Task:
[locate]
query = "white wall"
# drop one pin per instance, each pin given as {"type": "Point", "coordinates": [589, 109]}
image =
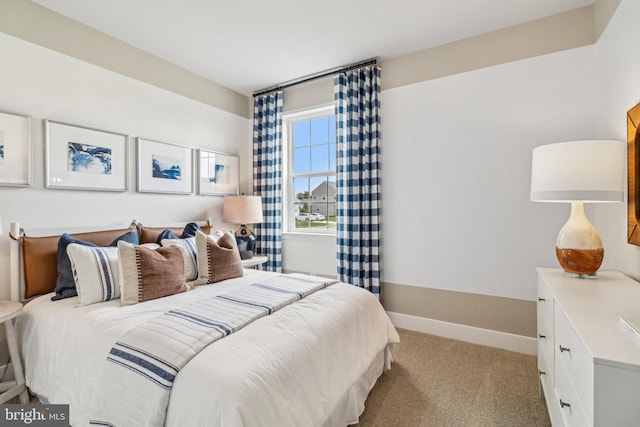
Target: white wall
{"type": "Point", "coordinates": [456, 158]}
{"type": "Point", "coordinates": [456, 170]}
{"type": "Point", "coordinates": [45, 84]}
{"type": "Point", "coordinates": [618, 90]}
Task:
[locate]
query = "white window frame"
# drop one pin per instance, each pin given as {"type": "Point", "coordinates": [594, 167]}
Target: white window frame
{"type": "Point", "coordinates": [288, 120]}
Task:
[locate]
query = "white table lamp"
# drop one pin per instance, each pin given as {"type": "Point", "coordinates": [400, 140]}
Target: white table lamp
{"type": "Point", "coordinates": [243, 210]}
{"type": "Point", "coordinates": [577, 172]}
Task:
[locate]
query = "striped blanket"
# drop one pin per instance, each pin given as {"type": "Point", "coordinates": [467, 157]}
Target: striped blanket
{"type": "Point", "coordinates": [138, 375]}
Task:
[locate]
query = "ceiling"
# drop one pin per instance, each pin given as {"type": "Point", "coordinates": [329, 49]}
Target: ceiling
{"type": "Point", "coordinates": [252, 44]}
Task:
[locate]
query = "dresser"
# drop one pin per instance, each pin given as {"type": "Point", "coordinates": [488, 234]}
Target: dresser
{"type": "Point", "coordinates": [589, 363]}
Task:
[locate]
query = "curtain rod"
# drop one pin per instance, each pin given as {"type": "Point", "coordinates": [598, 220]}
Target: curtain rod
{"type": "Point", "coordinates": [316, 76]}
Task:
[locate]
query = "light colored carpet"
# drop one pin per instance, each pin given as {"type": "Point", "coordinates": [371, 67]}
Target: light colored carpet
{"type": "Point", "coordinates": [437, 381]}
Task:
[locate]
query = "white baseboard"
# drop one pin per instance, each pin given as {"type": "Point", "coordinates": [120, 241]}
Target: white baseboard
{"type": "Point", "coordinates": [503, 340]}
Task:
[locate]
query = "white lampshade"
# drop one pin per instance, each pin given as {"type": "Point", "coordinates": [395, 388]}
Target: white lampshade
{"type": "Point", "coordinates": [589, 171]}
{"type": "Point", "coordinates": [578, 172]}
{"type": "Point", "coordinates": [242, 209]}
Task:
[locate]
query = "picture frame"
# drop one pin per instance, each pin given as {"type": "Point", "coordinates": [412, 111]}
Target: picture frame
{"type": "Point", "coordinates": [83, 158]}
{"type": "Point", "coordinates": [633, 175]}
{"type": "Point", "coordinates": [15, 150]}
{"type": "Point", "coordinates": [218, 173]}
{"type": "Point", "coordinates": [164, 167]}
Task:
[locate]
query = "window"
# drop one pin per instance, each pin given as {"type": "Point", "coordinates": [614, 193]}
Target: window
{"type": "Point", "coordinates": [310, 138]}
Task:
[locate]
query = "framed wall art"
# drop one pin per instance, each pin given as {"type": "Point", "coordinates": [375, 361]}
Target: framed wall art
{"type": "Point", "coordinates": [80, 158]}
{"type": "Point", "coordinates": [164, 168]}
{"type": "Point", "coordinates": [15, 150]}
{"type": "Point", "coordinates": [218, 174]}
{"type": "Point", "coordinates": [633, 175]}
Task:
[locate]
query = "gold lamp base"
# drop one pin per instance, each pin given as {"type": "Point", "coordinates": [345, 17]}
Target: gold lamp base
{"type": "Point", "coordinates": [579, 246]}
{"type": "Point", "coordinates": [581, 263]}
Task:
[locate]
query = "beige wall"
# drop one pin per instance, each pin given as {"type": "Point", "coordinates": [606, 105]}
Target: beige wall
{"type": "Point", "coordinates": [513, 316]}
{"type": "Point", "coordinates": [603, 12]}
{"type": "Point", "coordinates": [36, 24]}
{"type": "Point", "coordinates": [540, 37]}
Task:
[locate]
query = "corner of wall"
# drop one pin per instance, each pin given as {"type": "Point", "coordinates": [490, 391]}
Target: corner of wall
{"type": "Point", "coordinates": [602, 14]}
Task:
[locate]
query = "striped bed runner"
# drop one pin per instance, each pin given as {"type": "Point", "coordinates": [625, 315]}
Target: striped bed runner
{"type": "Point", "coordinates": [136, 382]}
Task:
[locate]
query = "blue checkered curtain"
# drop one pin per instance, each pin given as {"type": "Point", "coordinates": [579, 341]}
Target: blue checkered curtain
{"type": "Point", "coordinates": [358, 176]}
{"type": "Point", "coordinates": [267, 176]}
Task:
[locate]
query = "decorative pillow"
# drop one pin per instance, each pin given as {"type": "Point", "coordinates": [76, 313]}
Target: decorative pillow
{"type": "Point", "coordinates": [189, 231]}
{"type": "Point", "coordinates": [218, 257]}
{"type": "Point", "coordinates": [95, 272]}
{"type": "Point", "coordinates": [188, 248]}
{"type": "Point", "coordinates": [147, 274]}
{"type": "Point", "coordinates": [66, 286]}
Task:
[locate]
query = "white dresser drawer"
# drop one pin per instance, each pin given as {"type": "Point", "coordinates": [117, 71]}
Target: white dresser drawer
{"type": "Point", "coordinates": [545, 304]}
{"type": "Point", "coordinates": [545, 371]}
{"type": "Point", "coordinates": [545, 344]}
{"type": "Point", "coordinates": [545, 327]}
{"type": "Point", "coordinates": [545, 368]}
{"type": "Point", "coordinates": [572, 412]}
{"type": "Point", "coordinates": [572, 355]}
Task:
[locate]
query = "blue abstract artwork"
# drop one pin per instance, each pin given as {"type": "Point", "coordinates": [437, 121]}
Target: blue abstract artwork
{"type": "Point", "coordinates": [88, 158]}
{"type": "Point", "coordinates": [166, 167]}
{"type": "Point", "coordinates": [217, 174]}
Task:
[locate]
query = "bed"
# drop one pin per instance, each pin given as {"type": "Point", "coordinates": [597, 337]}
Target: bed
{"type": "Point", "coordinates": [310, 363]}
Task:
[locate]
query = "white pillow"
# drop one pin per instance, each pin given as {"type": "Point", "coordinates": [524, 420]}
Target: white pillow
{"type": "Point", "coordinates": [96, 272]}
{"type": "Point", "coordinates": [189, 254]}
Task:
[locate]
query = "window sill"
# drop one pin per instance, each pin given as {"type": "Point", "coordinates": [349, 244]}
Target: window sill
{"type": "Point", "coordinates": [299, 235]}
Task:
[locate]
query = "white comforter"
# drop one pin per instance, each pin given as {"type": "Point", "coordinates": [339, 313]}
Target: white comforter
{"type": "Point", "coordinates": [301, 366]}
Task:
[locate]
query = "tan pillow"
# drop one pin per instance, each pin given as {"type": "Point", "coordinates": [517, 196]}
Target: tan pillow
{"type": "Point", "coordinates": [218, 257]}
{"type": "Point", "coordinates": [188, 248]}
{"type": "Point", "coordinates": [147, 274]}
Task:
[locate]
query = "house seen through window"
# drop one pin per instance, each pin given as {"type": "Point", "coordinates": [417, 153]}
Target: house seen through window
{"type": "Point", "coordinates": [311, 195]}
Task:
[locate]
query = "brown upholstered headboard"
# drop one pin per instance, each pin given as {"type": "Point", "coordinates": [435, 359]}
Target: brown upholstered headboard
{"type": "Point", "coordinates": [40, 265]}
{"type": "Point", "coordinates": [39, 269]}
{"type": "Point", "coordinates": [150, 234]}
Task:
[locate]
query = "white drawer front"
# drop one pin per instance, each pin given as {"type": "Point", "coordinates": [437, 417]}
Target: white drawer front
{"type": "Point", "coordinates": [545, 366]}
{"type": "Point", "coordinates": [545, 343]}
{"type": "Point", "coordinates": [545, 304]}
{"type": "Point", "coordinates": [545, 326]}
{"type": "Point", "coordinates": [545, 371]}
{"type": "Point", "coordinates": [572, 412]}
{"type": "Point", "coordinates": [572, 355]}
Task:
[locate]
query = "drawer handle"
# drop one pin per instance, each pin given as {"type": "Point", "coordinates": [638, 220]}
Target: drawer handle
{"type": "Point", "coordinates": [564, 404]}
{"type": "Point", "coordinates": [541, 299]}
{"type": "Point", "coordinates": [541, 372]}
{"type": "Point", "coordinates": [563, 349]}
{"type": "Point", "coordinates": [541, 336]}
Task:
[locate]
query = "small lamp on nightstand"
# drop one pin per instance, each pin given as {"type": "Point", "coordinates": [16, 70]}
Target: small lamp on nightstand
{"type": "Point", "coordinates": [243, 210]}
{"type": "Point", "coordinates": [579, 172]}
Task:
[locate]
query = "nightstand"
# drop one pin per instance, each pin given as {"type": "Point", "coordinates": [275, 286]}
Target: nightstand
{"type": "Point", "coordinates": [8, 311]}
{"type": "Point", "coordinates": [254, 262]}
